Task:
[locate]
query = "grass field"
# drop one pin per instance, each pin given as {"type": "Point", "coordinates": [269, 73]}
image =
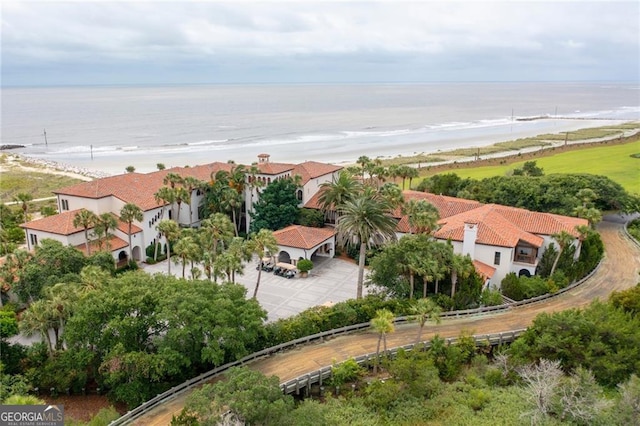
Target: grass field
{"type": "Point", "coordinates": [615, 161]}
{"type": "Point", "coordinates": [39, 185]}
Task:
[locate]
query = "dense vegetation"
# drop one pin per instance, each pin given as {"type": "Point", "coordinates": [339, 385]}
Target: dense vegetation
{"type": "Point", "coordinates": [134, 335]}
{"type": "Point", "coordinates": [574, 367]}
{"type": "Point", "coordinates": [556, 193]}
{"type": "Point", "coordinates": [634, 229]}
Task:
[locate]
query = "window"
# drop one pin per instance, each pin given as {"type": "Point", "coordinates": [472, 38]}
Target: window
{"type": "Point", "coordinates": [299, 194]}
{"type": "Point", "coordinates": [34, 239]}
{"type": "Point", "coordinates": [496, 258]}
{"type": "Point", "coordinates": [65, 204]}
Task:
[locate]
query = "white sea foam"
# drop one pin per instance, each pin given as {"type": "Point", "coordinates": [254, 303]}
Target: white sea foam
{"type": "Point", "coordinates": [339, 122]}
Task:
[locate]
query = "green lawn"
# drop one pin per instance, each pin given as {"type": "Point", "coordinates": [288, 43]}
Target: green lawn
{"type": "Point", "coordinates": [612, 161]}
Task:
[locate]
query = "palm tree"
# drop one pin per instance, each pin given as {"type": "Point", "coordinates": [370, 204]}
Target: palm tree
{"type": "Point", "coordinates": [128, 214]}
{"type": "Point", "coordinates": [392, 194]}
{"type": "Point", "coordinates": [231, 201]}
{"type": "Point", "coordinates": [238, 178]}
{"type": "Point", "coordinates": [365, 221]}
{"type": "Point", "coordinates": [260, 244]}
{"type": "Point", "coordinates": [165, 196]}
{"type": "Point", "coordinates": [37, 319]}
{"type": "Point", "coordinates": [23, 199]}
{"type": "Point", "coordinates": [172, 179]}
{"type": "Point", "coordinates": [85, 219]}
{"type": "Point", "coordinates": [586, 209]}
{"type": "Point", "coordinates": [564, 240]}
{"type": "Point", "coordinates": [335, 194]}
{"type": "Point", "coordinates": [215, 229]}
{"type": "Point", "coordinates": [60, 300]}
{"type": "Point", "coordinates": [191, 184]}
{"type": "Point", "coordinates": [382, 323]}
{"type": "Point", "coordinates": [182, 196]}
{"type": "Point", "coordinates": [186, 249]}
{"type": "Point", "coordinates": [104, 223]}
{"type": "Point", "coordinates": [424, 310]}
{"type": "Point", "coordinates": [461, 267]}
{"type": "Point", "coordinates": [363, 161]}
{"type": "Point", "coordinates": [422, 216]}
{"type": "Point", "coordinates": [92, 278]}
{"type": "Point", "coordinates": [170, 231]}
{"type": "Point", "coordinates": [412, 173]}
{"type": "Point", "coordinates": [393, 172]}
{"type": "Point", "coordinates": [231, 260]}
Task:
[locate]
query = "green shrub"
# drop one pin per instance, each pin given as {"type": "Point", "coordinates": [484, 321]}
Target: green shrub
{"type": "Point", "coordinates": [304, 265]}
{"type": "Point", "coordinates": [345, 372]}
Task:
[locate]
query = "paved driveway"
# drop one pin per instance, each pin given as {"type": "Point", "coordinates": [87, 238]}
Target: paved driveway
{"type": "Point", "coordinates": [330, 281]}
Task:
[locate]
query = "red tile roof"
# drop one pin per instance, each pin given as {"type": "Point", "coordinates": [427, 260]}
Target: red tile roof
{"type": "Point", "coordinates": [274, 168]}
{"type": "Point", "coordinates": [303, 237]}
{"type": "Point", "coordinates": [541, 223]}
{"type": "Point", "coordinates": [115, 243]}
{"type": "Point", "coordinates": [137, 188]}
{"type": "Point", "coordinates": [61, 224]}
{"type": "Point", "coordinates": [483, 269]}
{"type": "Point", "coordinates": [314, 201]}
{"type": "Point", "coordinates": [493, 228]}
{"type": "Point", "coordinates": [446, 206]}
{"type": "Point", "coordinates": [312, 169]}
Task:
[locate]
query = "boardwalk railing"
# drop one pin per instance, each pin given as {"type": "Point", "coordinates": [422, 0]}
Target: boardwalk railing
{"type": "Point", "coordinates": [209, 375]}
{"type": "Point", "coordinates": [305, 381]}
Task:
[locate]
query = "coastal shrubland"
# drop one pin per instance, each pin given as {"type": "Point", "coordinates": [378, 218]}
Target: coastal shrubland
{"type": "Point", "coordinates": [572, 367]}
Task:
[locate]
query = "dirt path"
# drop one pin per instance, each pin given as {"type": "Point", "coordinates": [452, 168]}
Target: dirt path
{"type": "Point", "coordinates": [618, 271]}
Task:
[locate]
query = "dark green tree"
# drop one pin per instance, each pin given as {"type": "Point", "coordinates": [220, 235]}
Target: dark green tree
{"type": "Point", "coordinates": [50, 264]}
{"type": "Point", "coordinates": [277, 206]}
{"type": "Point", "coordinates": [251, 397]}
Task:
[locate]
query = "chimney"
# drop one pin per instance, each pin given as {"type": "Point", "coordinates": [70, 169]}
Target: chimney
{"type": "Point", "coordinates": [469, 239]}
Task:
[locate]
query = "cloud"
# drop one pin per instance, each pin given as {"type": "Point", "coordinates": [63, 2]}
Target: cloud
{"type": "Point", "coordinates": [284, 37]}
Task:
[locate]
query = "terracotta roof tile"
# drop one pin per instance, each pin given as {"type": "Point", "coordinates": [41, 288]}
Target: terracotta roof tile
{"type": "Point", "coordinates": [493, 228]}
{"type": "Point", "coordinates": [541, 223]}
{"type": "Point", "coordinates": [137, 188]}
{"type": "Point", "coordinates": [303, 237]}
{"type": "Point", "coordinates": [483, 269]}
{"type": "Point", "coordinates": [447, 206]}
{"type": "Point", "coordinates": [115, 243]}
{"type": "Point", "coordinates": [314, 201]}
{"type": "Point", "coordinates": [312, 169]}
{"type": "Point", "coordinates": [274, 168]}
{"type": "Point", "coordinates": [61, 224]}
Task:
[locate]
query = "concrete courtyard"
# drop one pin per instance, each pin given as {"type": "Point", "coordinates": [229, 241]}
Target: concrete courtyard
{"type": "Point", "coordinates": [330, 281]}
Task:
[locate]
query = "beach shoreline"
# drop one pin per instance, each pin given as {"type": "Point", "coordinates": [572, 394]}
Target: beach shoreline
{"type": "Point", "coordinates": [14, 159]}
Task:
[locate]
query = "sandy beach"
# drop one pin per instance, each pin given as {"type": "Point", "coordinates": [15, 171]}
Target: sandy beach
{"type": "Point", "coordinates": [104, 168]}
{"type": "Point", "coordinates": [103, 164]}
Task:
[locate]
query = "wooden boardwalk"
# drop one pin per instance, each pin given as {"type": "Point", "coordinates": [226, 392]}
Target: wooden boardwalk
{"type": "Point", "coordinates": [619, 271]}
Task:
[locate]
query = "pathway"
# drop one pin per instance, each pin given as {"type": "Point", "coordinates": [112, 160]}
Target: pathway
{"type": "Point", "coordinates": [618, 271]}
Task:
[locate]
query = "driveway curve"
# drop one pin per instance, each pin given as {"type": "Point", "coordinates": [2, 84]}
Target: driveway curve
{"type": "Point", "coordinates": [618, 271]}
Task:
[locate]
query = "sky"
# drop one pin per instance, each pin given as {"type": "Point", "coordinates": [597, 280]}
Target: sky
{"type": "Point", "coordinates": [201, 42]}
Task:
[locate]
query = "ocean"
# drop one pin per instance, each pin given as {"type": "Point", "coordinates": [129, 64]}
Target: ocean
{"type": "Point", "coordinates": [108, 128]}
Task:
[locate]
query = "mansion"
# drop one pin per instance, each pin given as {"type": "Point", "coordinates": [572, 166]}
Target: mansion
{"type": "Point", "coordinates": [498, 239]}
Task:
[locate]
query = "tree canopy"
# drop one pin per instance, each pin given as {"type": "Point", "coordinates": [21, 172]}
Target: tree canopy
{"type": "Point", "coordinates": [277, 206]}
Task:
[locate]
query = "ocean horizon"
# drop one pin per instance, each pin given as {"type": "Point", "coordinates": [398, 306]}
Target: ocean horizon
{"type": "Point", "coordinates": [108, 128]}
